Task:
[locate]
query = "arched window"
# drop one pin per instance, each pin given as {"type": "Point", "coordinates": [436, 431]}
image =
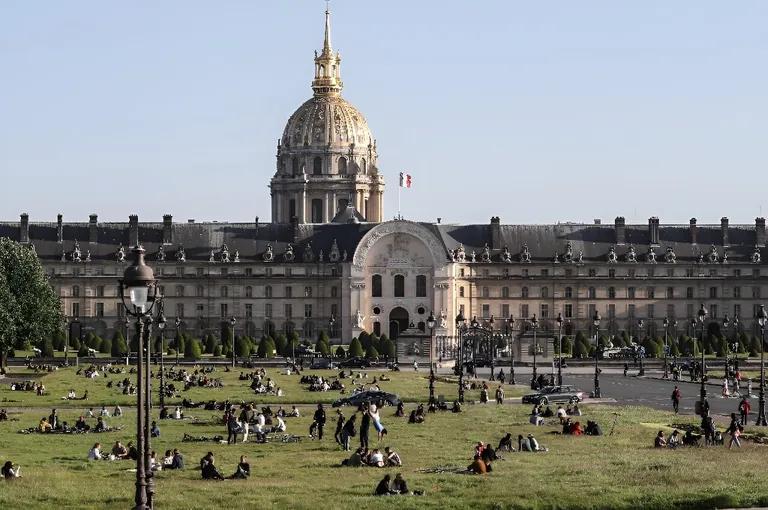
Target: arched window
{"type": "Point", "coordinates": [75, 291]}
{"type": "Point", "coordinates": [421, 286]}
{"type": "Point", "coordinates": [200, 291]}
{"type": "Point", "coordinates": [179, 290]}
{"type": "Point", "coordinates": [569, 292]}
{"type": "Point", "coordinates": [322, 71]}
{"type": "Point", "coordinates": [342, 166]}
{"type": "Point", "coordinates": [505, 292]}
{"type": "Point", "coordinates": [295, 165]}
{"type": "Point", "coordinates": [269, 328]}
{"type": "Point", "coordinates": [249, 291]}
{"type": "Point", "coordinates": [268, 291]}
{"type": "Point", "coordinates": [545, 292]}
{"type": "Point", "coordinates": [224, 291]}
{"type": "Point", "coordinates": [317, 166]}
{"type": "Point", "coordinates": [363, 166]}
{"type": "Point", "coordinates": [524, 292]}
{"type": "Point", "coordinates": [399, 285]}
{"type": "Point", "coordinates": [375, 285]}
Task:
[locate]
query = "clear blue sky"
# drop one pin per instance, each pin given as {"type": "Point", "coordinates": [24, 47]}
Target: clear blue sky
{"type": "Point", "coordinates": [534, 111]}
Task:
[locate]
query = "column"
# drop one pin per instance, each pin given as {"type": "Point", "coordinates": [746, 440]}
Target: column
{"type": "Point", "coordinates": [303, 207]}
{"type": "Point", "coordinates": [279, 208]}
{"type": "Point", "coordinates": [328, 209]}
{"type": "Point", "coordinates": [334, 205]}
{"type": "Point", "coordinates": [381, 206]}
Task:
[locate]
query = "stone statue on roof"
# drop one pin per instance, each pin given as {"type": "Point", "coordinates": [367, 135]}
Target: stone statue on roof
{"type": "Point", "coordinates": [121, 254]}
{"type": "Point", "coordinates": [268, 255]}
{"type": "Point", "coordinates": [506, 256]}
{"type": "Point", "coordinates": [289, 255]}
{"type": "Point", "coordinates": [180, 255]}
{"type": "Point", "coordinates": [76, 254]}
{"type": "Point", "coordinates": [161, 254]}
{"type": "Point", "coordinates": [525, 256]}
{"type": "Point", "coordinates": [485, 255]}
{"type": "Point", "coordinates": [309, 255]}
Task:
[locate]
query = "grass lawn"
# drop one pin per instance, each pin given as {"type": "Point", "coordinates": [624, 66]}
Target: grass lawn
{"type": "Point", "coordinates": [618, 471]}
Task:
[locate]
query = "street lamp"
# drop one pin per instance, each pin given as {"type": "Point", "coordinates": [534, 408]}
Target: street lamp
{"type": "Point", "coordinates": [127, 323]}
{"type": "Point", "coordinates": [761, 320]}
{"type": "Point", "coordinates": [232, 322]}
{"type": "Point", "coordinates": [511, 323]}
{"type": "Point", "coordinates": [491, 346]}
{"type": "Point", "coordinates": [596, 322]}
{"type": "Point", "coordinates": [461, 327]}
{"type": "Point", "coordinates": [331, 322]}
{"type": "Point", "coordinates": [666, 346]}
{"type": "Point", "coordinates": [702, 317]}
{"type": "Point", "coordinates": [534, 326]}
{"type": "Point", "coordinates": [178, 339]}
{"type": "Point", "coordinates": [138, 289]}
{"type": "Point", "coordinates": [640, 349]}
{"type": "Point", "coordinates": [431, 326]}
{"type": "Point", "coordinates": [726, 325]}
{"type": "Point", "coordinates": [161, 326]}
{"type": "Point", "coordinates": [560, 349]}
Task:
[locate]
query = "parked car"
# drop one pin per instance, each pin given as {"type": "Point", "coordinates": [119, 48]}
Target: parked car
{"type": "Point", "coordinates": [555, 394]}
{"type": "Point", "coordinates": [355, 363]}
{"type": "Point", "coordinates": [375, 397]}
{"type": "Point", "coordinates": [322, 364]}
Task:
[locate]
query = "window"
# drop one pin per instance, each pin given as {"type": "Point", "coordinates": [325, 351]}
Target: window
{"type": "Point", "coordinates": [268, 291]}
{"type": "Point", "coordinates": [248, 271]}
{"type": "Point", "coordinates": [200, 310]}
{"type": "Point", "coordinates": [75, 291]}
{"type": "Point", "coordinates": [671, 311]}
{"type": "Point", "coordinates": [650, 292]}
{"type": "Point", "coordinates": [486, 293]}
{"type": "Point", "coordinates": [612, 311]}
{"type": "Point", "coordinates": [224, 291]}
{"type": "Point", "coordinates": [268, 310]}
{"type": "Point", "coordinates": [288, 271]}
{"type": "Point", "coordinates": [200, 271]}
{"type": "Point", "coordinates": [755, 292]}
{"type": "Point", "coordinates": [100, 291]}
{"type": "Point", "coordinates": [307, 291]}
{"type": "Point", "coordinates": [288, 291]}
{"type": "Point", "coordinates": [224, 271]}
{"type": "Point", "coordinates": [713, 311]}
{"type": "Point", "coordinates": [335, 313]}
{"type": "Point", "coordinates": [611, 273]}
{"type": "Point", "coordinates": [593, 272]}
{"type": "Point", "coordinates": [248, 311]}
{"type": "Point", "coordinates": [224, 310]}
{"type": "Point", "coordinates": [611, 293]}
{"type": "Point", "coordinates": [180, 310]}
{"type": "Point", "coordinates": [525, 273]}
{"type": "Point", "coordinates": [545, 272]}
{"type": "Point", "coordinates": [737, 310]}
{"type": "Point", "coordinates": [544, 311]}
{"type": "Point", "coordinates": [334, 292]}
{"type": "Point", "coordinates": [317, 166]}
{"type": "Point", "coordinates": [591, 293]}
{"type": "Point", "coordinates": [568, 311]}
{"type": "Point", "coordinates": [486, 311]}
{"type": "Point", "coordinates": [631, 292]}
{"type": "Point", "coordinates": [670, 294]}
{"type": "Point", "coordinates": [399, 285]}
{"type": "Point", "coordinates": [545, 292]}
{"type": "Point", "coordinates": [713, 293]}
{"type": "Point", "coordinates": [568, 292]}
{"type": "Point", "coordinates": [317, 210]}
{"type": "Point", "coordinates": [737, 272]}
{"type": "Point", "coordinates": [364, 169]}
{"type": "Point", "coordinates": [461, 272]}
{"type": "Point", "coordinates": [524, 311]}
{"type": "Point", "coordinates": [689, 292]}
{"type": "Point", "coordinates": [756, 273]}
{"type": "Point", "coordinates": [268, 272]}
{"type": "Point", "coordinates": [288, 310]}
{"type": "Point", "coordinates": [421, 286]}
{"type": "Point", "coordinates": [651, 311]}
{"type": "Point", "coordinates": [75, 309]}
{"type": "Point", "coordinates": [295, 166]}
{"type": "Point", "coordinates": [505, 310]}
{"type": "Point", "coordinates": [505, 292]}
{"type": "Point", "coordinates": [524, 292]}
{"type": "Point", "coordinates": [631, 311]}
{"type": "Point", "coordinates": [180, 272]}
{"type": "Point", "coordinates": [200, 291]}
{"type": "Point", "coordinates": [248, 291]}
{"type": "Point", "coordinates": [99, 309]}
{"type": "Point", "coordinates": [591, 308]}
{"type": "Point", "coordinates": [376, 285]}
{"type": "Point", "coordinates": [689, 310]}
{"type": "Point", "coordinates": [342, 166]}
{"type": "Point", "coordinates": [461, 291]}
{"type": "Point", "coordinates": [737, 292]}
{"type": "Point", "coordinates": [179, 291]}
{"type": "Point", "coordinates": [307, 310]}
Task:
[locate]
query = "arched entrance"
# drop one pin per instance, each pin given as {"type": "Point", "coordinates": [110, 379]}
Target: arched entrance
{"type": "Point", "coordinates": [398, 322]}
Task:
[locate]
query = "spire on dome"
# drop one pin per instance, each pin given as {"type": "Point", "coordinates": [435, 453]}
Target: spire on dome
{"type": "Point", "coordinates": [327, 80]}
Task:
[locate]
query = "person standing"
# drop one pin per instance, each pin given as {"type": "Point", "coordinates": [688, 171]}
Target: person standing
{"type": "Point", "coordinates": [320, 420]}
{"type": "Point", "coordinates": [676, 396]}
{"type": "Point", "coordinates": [339, 426]}
{"type": "Point", "coordinates": [734, 429]}
{"type": "Point", "coordinates": [365, 425]}
{"type": "Point", "coordinates": [499, 395]}
{"type": "Point", "coordinates": [348, 431]}
{"type": "Point", "coordinates": [744, 409]}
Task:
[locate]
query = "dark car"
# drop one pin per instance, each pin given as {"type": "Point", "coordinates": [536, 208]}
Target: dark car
{"type": "Point", "coordinates": [355, 363]}
{"type": "Point", "coordinates": [554, 394]}
{"type": "Point", "coordinates": [322, 364]}
{"type": "Point", "coordinates": [375, 397]}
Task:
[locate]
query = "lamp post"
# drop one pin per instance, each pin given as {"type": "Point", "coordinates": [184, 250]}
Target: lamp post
{"type": "Point", "coordinates": [560, 349]}
{"type": "Point", "coordinates": [511, 323]}
{"type": "Point", "coordinates": [138, 290]}
{"type": "Point", "coordinates": [127, 323]}
{"type": "Point", "coordinates": [641, 349]}
{"type": "Point", "coordinates": [161, 326]}
{"type": "Point", "coordinates": [596, 322]}
{"type": "Point", "coordinates": [534, 326]}
{"type": "Point", "coordinates": [491, 346]}
{"type": "Point", "coordinates": [726, 325]}
{"type": "Point", "coordinates": [431, 326]}
{"type": "Point", "coordinates": [702, 317]}
{"type": "Point", "coordinates": [331, 322]}
{"type": "Point", "coordinates": [461, 327]}
{"type": "Point", "coordinates": [666, 346]}
{"type": "Point", "coordinates": [232, 322]}
{"type": "Point", "coordinates": [178, 339]}
{"type": "Point", "coordinates": [762, 318]}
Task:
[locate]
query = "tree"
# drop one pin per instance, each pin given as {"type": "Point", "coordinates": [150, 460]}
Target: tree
{"type": "Point", "coordinates": [106, 346]}
{"type": "Point", "coordinates": [29, 308]}
{"type": "Point", "coordinates": [243, 347]}
{"type": "Point", "coordinates": [371, 352]}
{"type": "Point", "coordinates": [180, 343]}
{"type": "Point", "coordinates": [195, 350]}
{"type": "Point", "coordinates": [281, 344]}
{"type": "Point", "coordinates": [580, 347]}
{"type": "Point", "coordinates": [365, 339]}
{"type": "Point", "coordinates": [119, 346]}
{"type": "Point", "coordinates": [322, 347]}
{"type": "Point", "coordinates": [210, 343]}
{"type": "Point", "coordinates": [83, 351]}
{"type": "Point", "coordinates": [217, 351]}
{"type": "Point", "coordinates": [754, 346]}
{"type": "Point", "coordinates": [567, 345]}
{"type": "Point", "coordinates": [340, 352]}
{"type": "Point", "coordinates": [47, 348]}
{"type": "Point", "coordinates": [376, 341]}
{"type": "Point", "coordinates": [59, 340]}
{"type": "Point", "coordinates": [387, 347]}
{"type": "Point", "coordinates": [293, 342]}
{"type": "Point", "coordinates": [355, 348]}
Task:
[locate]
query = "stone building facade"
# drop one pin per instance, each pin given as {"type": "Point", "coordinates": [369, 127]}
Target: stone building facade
{"type": "Point", "coordinates": [328, 254]}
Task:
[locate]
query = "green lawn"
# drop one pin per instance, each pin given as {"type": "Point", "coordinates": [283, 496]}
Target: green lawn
{"type": "Point", "coordinates": [618, 471]}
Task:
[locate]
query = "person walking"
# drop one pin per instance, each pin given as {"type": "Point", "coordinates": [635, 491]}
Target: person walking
{"type": "Point", "coordinates": [744, 408]}
{"type": "Point", "coordinates": [734, 429]}
{"type": "Point", "coordinates": [339, 426]}
{"type": "Point", "coordinates": [320, 420]}
{"type": "Point", "coordinates": [676, 396]}
{"type": "Point", "coordinates": [348, 431]}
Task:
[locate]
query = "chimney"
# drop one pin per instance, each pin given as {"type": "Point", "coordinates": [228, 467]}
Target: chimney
{"type": "Point", "coordinates": [694, 230]}
{"type": "Point", "coordinates": [24, 228]}
{"type": "Point", "coordinates": [653, 230]}
{"type": "Point", "coordinates": [133, 230]}
{"type": "Point", "coordinates": [724, 230]}
{"type": "Point", "coordinates": [620, 226]}
{"type": "Point", "coordinates": [760, 231]}
{"type": "Point", "coordinates": [439, 219]}
{"type": "Point", "coordinates": [93, 232]}
{"type": "Point", "coordinates": [257, 222]}
{"type": "Point", "coordinates": [598, 221]}
{"type": "Point", "coordinates": [59, 229]}
{"type": "Point", "coordinates": [167, 229]}
{"type": "Point", "coordinates": [495, 233]}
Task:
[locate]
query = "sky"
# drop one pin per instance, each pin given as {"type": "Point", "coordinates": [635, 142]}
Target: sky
{"type": "Point", "coordinates": [537, 112]}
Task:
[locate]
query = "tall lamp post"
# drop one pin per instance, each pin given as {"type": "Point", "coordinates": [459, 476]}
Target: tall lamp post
{"type": "Point", "coordinates": [511, 324]}
{"type": "Point", "coordinates": [461, 328]}
{"type": "Point", "coordinates": [534, 326]}
{"type": "Point", "coordinates": [127, 323]}
{"type": "Point", "coordinates": [232, 322]}
{"type": "Point", "coordinates": [762, 319]}
{"type": "Point", "coordinates": [161, 326]}
{"type": "Point", "coordinates": [560, 349]}
{"type": "Point", "coordinates": [726, 325]}
{"type": "Point", "coordinates": [491, 346]}
{"type": "Point", "coordinates": [702, 317]}
{"type": "Point", "coordinates": [666, 346]}
{"type": "Point", "coordinates": [431, 326]}
{"type": "Point", "coordinates": [641, 349]}
{"type": "Point", "coordinates": [178, 339]}
{"type": "Point", "coordinates": [596, 322]}
{"type": "Point", "coordinates": [331, 322]}
{"type": "Point", "coordinates": [138, 290]}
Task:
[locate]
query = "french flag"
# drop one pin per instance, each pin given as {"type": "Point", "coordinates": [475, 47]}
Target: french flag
{"type": "Point", "coordinates": [405, 180]}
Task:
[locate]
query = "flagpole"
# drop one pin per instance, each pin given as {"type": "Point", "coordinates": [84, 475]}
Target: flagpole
{"type": "Point", "coordinates": [398, 202]}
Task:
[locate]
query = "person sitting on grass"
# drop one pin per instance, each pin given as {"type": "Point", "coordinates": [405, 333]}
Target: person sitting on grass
{"type": "Point", "coordinates": [400, 412]}
{"type": "Point", "coordinates": [535, 418]}
{"type": "Point", "coordinates": [660, 441]}
{"type": "Point", "coordinates": [167, 459]}
{"type": "Point", "coordinates": [119, 451]}
{"type": "Point", "coordinates": [383, 488]}
{"type": "Point", "coordinates": [376, 459]}
{"type": "Point", "coordinates": [95, 452]}
{"type": "Point", "coordinates": [354, 460]}
{"type": "Point", "coordinates": [104, 412]}
{"type": "Point", "coordinates": [101, 425]}
{"type": "Point", "coordinates": [8, 472]}
{"type": "Point", "coordinates": [294, 412]}
{"type": "Point", "coordinates": [392, 458]}
{"type": "Point", "coordinates": [81, 425]}
{"type": "Point", "coordinates": [118, 412]}
{"type": "Point", "coordinates": [691, 439]}
{"type": "Point", "coordinates": [535, 446]}
{"type": "Point", "coordinates": [593, 429]}
{"type": "Point", "coordinates": [280, 427]}
{"type": "Point", "coordinates": [399, 486]}
{"type": "Point", "coordinates": [415, 418]}
{"type": "Point", "coordinates": [154, 430]}
{"type": "Point", "coordinates": [456, 407]}
{"type": "Point", "coordinates": [178, 460]}
{"type": "Point", "coordinates": [505, 444]}
{"type": "Point", "coordinates": [243, 470]}
{"type": "Point", "coordinates": [674, 439]}
{"type": "Point", "coordinates": [3, 415]}
{"type": "Point", "coordinates": [208, 469]}
{"type": "Point", "coordinates": [178, 414]}
{"type": "Point", "coordinates": [478, 466]}
{"type": "Point", "coordinates": [561, 414]}
{"type": "Point", "coordinates": [154, 463]}
{"type": "Point", "coordinates": [164, 413]}
{"type": "Point", "coordinates": [576, 429]}
{"type": "Point", "coordinates": [44, 426]}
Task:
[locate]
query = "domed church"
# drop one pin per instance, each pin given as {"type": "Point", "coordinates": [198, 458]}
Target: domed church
{"type": "Point", "coordinates": [326, 158]}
